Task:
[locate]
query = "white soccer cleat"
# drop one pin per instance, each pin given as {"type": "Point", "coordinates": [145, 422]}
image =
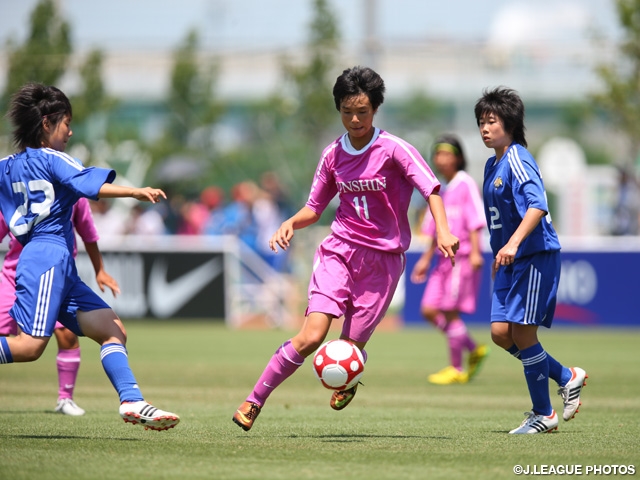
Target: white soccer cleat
{"type": "Point", "coordinates": [537, 423]}
{"type": "Point", "coordinates": [570, 393]}
{"type": "Point", "coordinates": [148, 416]}
{"type": "Point", "coordinates": [67, 406]}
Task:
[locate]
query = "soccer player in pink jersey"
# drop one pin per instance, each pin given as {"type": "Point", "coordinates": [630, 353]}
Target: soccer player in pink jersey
{"type": "Point", "coordinates": [454, 289]}
{"type": "Point", "coordinates": [68, 358]}
{"type": "Point", "coordinates": [356, 269]}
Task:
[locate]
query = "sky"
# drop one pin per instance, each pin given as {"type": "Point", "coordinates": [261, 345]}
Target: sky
{"type": "Point", "coordinates": [137, 33]}
{"type": "Point", "coordinates": [273, 24]}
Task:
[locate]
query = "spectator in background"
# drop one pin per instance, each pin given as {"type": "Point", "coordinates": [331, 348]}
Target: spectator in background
{"type": "Point", "coordinates": [108, 220]}
{"type": "Point", "coordinates": [627, 209]}
{"type": "Point", "coordinates": [237, 217]}
{"type": "Point", "coordinates": [145, 221]}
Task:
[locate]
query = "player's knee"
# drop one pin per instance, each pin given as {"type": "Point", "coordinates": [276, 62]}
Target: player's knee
{"type": "Point", "coordinates": [501, 339]}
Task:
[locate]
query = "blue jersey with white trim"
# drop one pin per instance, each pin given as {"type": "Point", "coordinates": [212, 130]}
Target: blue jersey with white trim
{"type": "Point", "coordinates": [511, 186]}
{"type": "Point", "coordinates": [38, 188]}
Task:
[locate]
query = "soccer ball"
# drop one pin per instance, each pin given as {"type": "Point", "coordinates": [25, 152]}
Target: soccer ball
{"type": "Point", "coordinates": [338, 365]}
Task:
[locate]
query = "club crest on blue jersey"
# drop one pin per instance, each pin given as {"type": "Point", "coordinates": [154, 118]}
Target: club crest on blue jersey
{"type": "Point", "coordinates": [498, 182]}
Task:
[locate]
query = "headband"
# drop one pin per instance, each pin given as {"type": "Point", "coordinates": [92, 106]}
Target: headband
{"type": "Point", "coordinates": [446, 147]}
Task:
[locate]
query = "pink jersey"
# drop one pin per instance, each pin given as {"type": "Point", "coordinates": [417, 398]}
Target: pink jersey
{"type": "Point", "coordinates": [465, 211]}
{"type": "Point", "coordinates": [374, 185]}
{"type": "Point", "coordinates": [82, 221]}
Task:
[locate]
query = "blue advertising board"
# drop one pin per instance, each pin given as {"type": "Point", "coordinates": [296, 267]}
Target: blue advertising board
{"type": "Point", "coordinates": [597, 288]}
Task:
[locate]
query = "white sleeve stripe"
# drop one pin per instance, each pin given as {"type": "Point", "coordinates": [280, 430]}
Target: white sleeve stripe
{"type": "Point", "coordinates": [421, 165]}
{"type": "Point", "coordinates": [516, 165]}
{"type": "Point", "coordinates": [315, 177]}
{"type": "Point", "coordinates": [67, 158]}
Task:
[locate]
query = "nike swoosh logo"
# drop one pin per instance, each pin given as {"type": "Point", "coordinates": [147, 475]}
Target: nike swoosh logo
{"type": "Point", "coordinates": [166, 298]}
{"type": "Point", "coordinates": [267, 385]}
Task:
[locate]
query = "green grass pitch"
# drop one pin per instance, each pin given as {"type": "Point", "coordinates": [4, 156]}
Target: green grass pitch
{"type": "Point", "coordinates": [398, 426]}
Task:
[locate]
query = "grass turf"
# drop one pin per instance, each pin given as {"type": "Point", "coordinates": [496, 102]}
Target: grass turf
{"type": "Point", "coordinates": [398, 426]}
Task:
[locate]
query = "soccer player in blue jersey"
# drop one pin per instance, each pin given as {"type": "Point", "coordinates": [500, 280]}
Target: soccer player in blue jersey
{"type": "Point", "coordinates": [38, 187]}
{"type": "Point", "coordinates": [526, 265]}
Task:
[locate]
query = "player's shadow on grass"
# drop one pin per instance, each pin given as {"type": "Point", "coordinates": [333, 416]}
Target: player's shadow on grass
{"type": "Point", "coordinates": [65, 437]}
{"type": "Point", "coordinates": [363, 437]}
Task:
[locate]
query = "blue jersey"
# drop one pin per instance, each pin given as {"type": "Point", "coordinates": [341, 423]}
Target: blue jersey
{"type": "Point", "coordinates": [38, 188]}
{"type": "Point", "coordinates": [512, 186]}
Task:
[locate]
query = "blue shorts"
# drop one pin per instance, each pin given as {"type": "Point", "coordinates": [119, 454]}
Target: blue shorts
{"type": "Point", "coordinates": [526, 291]}
{"type": "Point", "coordinates": [48, 288]}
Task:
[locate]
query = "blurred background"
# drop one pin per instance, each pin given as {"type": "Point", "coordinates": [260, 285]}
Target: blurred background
{"type": "Point", "coordinates": [227, 105]}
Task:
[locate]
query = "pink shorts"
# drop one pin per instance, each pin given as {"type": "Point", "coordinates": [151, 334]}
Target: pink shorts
{"type": "Point", "coordinates": [452, 288]}
{"type": "Point", "coordinates": [355, 282]}
{"type": "Point", "coordinates": [8, 325]}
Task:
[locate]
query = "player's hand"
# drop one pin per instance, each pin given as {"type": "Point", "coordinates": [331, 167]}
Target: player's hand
{"type": "Point", "coordinates": [419, 273]}
{"type": "Point", "coordinates": [476, 260]}
{"type": "Point", "coordinates": [148, 194]}
{"type": "Point", "coordinates": [105, 280]}
{"type": "Point", "coordinates": [506, 256]}
{"type": "Point", "coordinates": [282, 237]}
{"type": "Point", "coordinates": [448, 244]}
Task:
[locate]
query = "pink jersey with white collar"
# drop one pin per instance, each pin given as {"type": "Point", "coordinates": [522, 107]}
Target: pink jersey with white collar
{"type": "Point", "coordinates": [374, 187]}
{"type": "Point", "coordinates": [82, 221]}
{"type": "Point", "coordinates": [465, 211]}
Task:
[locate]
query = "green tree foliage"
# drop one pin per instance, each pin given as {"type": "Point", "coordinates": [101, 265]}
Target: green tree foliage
{"type": "Point", "coordinates": [44, 55]}
{"type": "Point", "coordinates": [313, 82]}
{"type": "Point", "coordinates": [620, 97]}
{"type": "Point", "coordinates": [191, 102]}
{"type": "Point", "coordinates": [92, 99]}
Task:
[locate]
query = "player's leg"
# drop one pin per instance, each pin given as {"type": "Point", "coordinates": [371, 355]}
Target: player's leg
{"type": "Point", "coordinates": [373, 286]}
{"type": "Point", "coordinates": [22, 348]}
{"type": "Point", "coordinates": [103, 326]}
{"type": "Point", "coordinates": [284, 362]}
{"type": "Point", "coordinates": [68, 365]}
{"type": "Point", "coordinates": [456, 334]}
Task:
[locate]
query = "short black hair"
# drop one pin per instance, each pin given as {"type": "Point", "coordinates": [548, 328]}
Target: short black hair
{"type": "Point", "coordinates": [506, 104]}
{"type": "Point", "coordinates": [452, 141]}
{"type": "Point", "coordinates": [28, 108]}
{"type": "Point", "coordinates": [357, 80]}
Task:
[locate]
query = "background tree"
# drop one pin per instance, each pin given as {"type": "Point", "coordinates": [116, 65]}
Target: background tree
{"type": "Point", "coordinates": [620, 97]}
{"type": "Point", "coordinates": [44, 55]}
{"type": "Point", "coordinates": [313, 82]}
{"type": "Point", "coordinates": [191, 102]}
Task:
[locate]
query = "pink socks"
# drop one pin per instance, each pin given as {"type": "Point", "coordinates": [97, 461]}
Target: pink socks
{"type": "Point", "coordinates": [459, 340]}
{"type": "Point", "coordinates": [282, 365]}
{"type": "Point", "coordinates": [68, 362]}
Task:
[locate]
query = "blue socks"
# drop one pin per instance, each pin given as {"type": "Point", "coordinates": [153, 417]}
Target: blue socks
{"type": "Point", "coordinates": [557, 372]}
{"type": "Point", "coordinates": [116, 365]}
{"type": "Point", "coordinates": [536, 372]}
{"type": "Point", "coordinates": [5, 353]}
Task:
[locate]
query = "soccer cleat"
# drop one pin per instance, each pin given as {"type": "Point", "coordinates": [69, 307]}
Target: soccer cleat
{"type": "Point", "coordinates": [476, 357]}
{"type": "Point", "coordinates": [341, 399]}
{"type": "Point", "coordinates": [570, 393]}
{"type": "Point", "coordinates": [148, 416]}
{"type": "Point", "coordinates": [448, 376]}
{"type": "Point", "coordinates": [246, 414]}
{"type": "Point", "coordinates": [68, 407]}
{"type": "Point", "coordinates": [534, 423]}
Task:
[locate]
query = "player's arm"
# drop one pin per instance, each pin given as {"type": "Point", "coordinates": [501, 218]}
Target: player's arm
{"type": "Point", "coordinates": [475, 256]}
{"type": "Point", "coordinates": [284, 234]}
{"type": "Point", "coordinates": [144, 194]}
{"type": "Point", "coordinates": [507, 254]}
{"type": "Point", "coordinates": [448, 243]}
{"type": "Point", "coordinates": [102, 277]}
